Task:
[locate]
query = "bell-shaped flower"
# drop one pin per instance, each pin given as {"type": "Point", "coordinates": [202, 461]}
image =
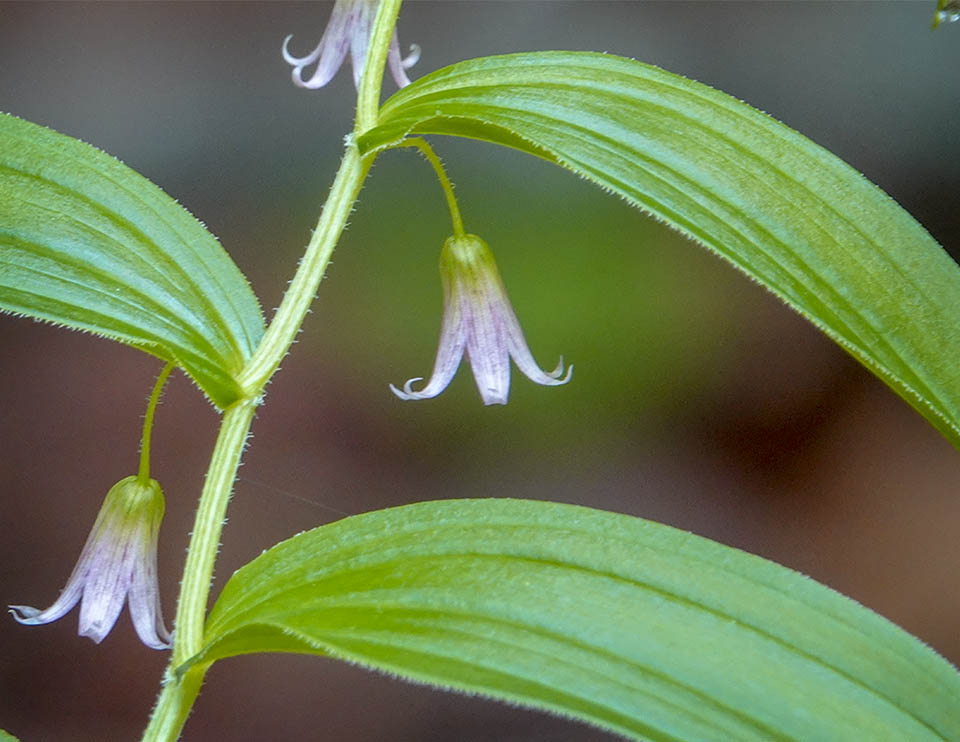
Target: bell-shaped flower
{"type": "Point", "coordinates": [349, 28]}
{"type": "Point", "coordinates": [118, 563]}
{"type": "Point", "coordinates": [479, 320]}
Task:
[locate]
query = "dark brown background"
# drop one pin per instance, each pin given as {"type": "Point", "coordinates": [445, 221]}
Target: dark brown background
{"type": "Point", "coordinates": [698, 400]}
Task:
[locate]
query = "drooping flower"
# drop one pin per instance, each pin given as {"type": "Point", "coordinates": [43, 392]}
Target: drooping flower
{"type": "Point", "coordinates": [479, 320]}
{"type": "Point", "coordinates": [349, 28]}
{"type": "Point", "coordinates": [118, 562]}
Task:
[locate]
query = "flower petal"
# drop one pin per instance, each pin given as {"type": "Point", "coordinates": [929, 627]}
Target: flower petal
{"type": "Point", "coordinates": [449, 354]}
{"type": "Point", "coordinates": [72, 591]}
{"type": "Point", "coordinates": [520, 352]}
{"type": "Point", "coordinates": [483, 306]}
{"type": "Point", "coordinates": [145, 610]}
{"type": "Point", "coordinates": [329, 53]}
{"type": "Point", "coordinates": [144, 595]}
{"type": "Point", "coordinates": [28, 616]}
{"type": "Point", "coordinates": [361, 24]}
{"type": "Point", "coordinates": [106, 584]}
{"type": "Point", "coordinates": [398, 65]}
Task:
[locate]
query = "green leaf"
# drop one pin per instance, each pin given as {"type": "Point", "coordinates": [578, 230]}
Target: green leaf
{"type": "Point", "coordinates": [630, 625]}
{"type": "Point", "coordinates": [7, 737]}
{"type": "Point", "coordinates": [782, 209]}
{"type": "Point", "coordinates": [88, 243]}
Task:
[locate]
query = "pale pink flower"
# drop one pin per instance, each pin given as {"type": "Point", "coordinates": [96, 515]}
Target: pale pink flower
{"type": "Point", "coordinates": [348, 29]}
{"type": "Point", "coordinates": [478, 320]}
{"type": "Point", "coordinates": [118, 563]}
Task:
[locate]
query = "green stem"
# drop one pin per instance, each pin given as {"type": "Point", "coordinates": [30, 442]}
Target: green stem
{"type": "Point", "coordinates": [173, 706]}
{"type": "Point", "coordinates": [178, 693]}
{"type": "Point", "coordinates": [296, 302]}
{"type": "Point", "coordinates": [143, 476]}
{"type": "Point", "coordinates": [371, 81]}
{"type": "Point", "coordinates": [276, 342]}
{"type": "Point", "coordinates": [207, 525]}
{"type": "Point", "coordinates": [176, 699]}
{"type": "Point", "coordinates": [427, 151]}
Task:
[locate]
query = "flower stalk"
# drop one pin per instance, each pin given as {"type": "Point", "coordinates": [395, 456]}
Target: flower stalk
{"type": "Point", "coordinates": [430, 156]}
{"type": "Point", "coordinates": [143, 475]}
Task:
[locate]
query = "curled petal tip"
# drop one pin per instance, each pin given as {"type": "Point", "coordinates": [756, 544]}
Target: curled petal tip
{"type": "Point", "coordinates": [158, 644]}
{"type": "Point", "coordinates": [559, 375]}
{"type": "Point", "coordinates": [296, 75]}
{"type": "Point", "coordinates": [407, 392]}
{"type": "Point", "coordinates": [408, 386]}
{"type": "Point", "coordinates": [152, 632]}
{"type": "Point", "coordinates": [297, 61]}
{"type": "Point", "coordinates": [412, 58]}
{"type": "Point", "coordinates": [287, 56]}
{"type": "Point", "coordinates": [23, 613]}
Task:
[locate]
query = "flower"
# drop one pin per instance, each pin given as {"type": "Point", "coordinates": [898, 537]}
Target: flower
{"type": "Point", "coordinates": [119, 561]}
{"type": "Point", "coordinates": [350, 25]}
{"type": "Point", "coordinates": [478, 319]}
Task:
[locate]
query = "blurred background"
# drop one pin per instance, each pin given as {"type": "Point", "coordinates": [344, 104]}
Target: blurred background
{"type": "Point", "coordinates": [698, 400]}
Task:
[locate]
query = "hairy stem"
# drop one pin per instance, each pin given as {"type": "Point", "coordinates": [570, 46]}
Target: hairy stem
{"type": "Point", "coordinates": [371, 81]}
{"type": "Point", "coordinates": [207, 525]}
{"type": "Point", "coordinates": [173, 706]}
{"type": "Point", "coordinates": [427, 151]}
{"type": "Point", "coordinates": [179, 692]}
{"type": "Point", "coordinates": [296, 302]}
{"type": "Point", "coordinates": [143, 475]}
{"type": "Point", "coordinates": [177, 697]}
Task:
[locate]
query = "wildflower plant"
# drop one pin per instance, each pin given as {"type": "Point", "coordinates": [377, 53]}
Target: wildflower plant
{"type": "Point", "coordinates": [630, 625]}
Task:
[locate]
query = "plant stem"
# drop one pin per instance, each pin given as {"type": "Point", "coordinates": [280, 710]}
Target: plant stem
{"type": "Point", "coordinates": [178, 693]}
{"type": "Point", "coordinates": [371, 81]}
{"type": "Point", "coordinates": [276, 342]}
{"type": "Point", "coordinates": [143, 475]}
{"type": "Point", "coordinates": [177, 697]}
{"type": "Point", "coordinates": [207, 525]}
{"type": "Point", "coordinates": [344, 191]}
{"type": "Point", "coordinates": [296, 302]}
{"type": "Point", "coordinates": [173, 706]}
{"type": "Point", "coordinates": [427, 151]}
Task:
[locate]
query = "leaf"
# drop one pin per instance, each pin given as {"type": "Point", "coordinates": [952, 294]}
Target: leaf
{"type": "Point", "coordinates": [7, 737]}
{"type": "Point", "coordinates": [630, 625]}
{"type": "Point", "coordinates": [88, 243]}
{"type": "Point", "coordinates": [780, 208]}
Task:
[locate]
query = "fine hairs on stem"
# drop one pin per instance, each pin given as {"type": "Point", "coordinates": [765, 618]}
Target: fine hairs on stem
{"type": "Point", "coordinates": [179, 692]}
